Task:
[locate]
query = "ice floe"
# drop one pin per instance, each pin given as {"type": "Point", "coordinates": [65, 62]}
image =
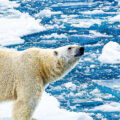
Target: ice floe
{"type": "Point", "coordinates": [110, 53]}
{"type": "Point", "coordinates": [47, 13]}
{"type": "Point", "coordinates": [16, 25]}
{"type": "Point", "coordinates": [48, 109]}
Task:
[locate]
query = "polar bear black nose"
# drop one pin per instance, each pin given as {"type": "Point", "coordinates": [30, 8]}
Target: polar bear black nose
{"type": "Point", "coordinates": [81, 50]}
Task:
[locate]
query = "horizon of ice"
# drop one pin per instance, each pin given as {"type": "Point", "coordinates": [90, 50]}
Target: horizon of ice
{"type": "Point", "coordinates": [110, 53]}
{"type": "Point", "coordinates": [16, 24]}
{"type": "Point", "coordinates": [48, 109]}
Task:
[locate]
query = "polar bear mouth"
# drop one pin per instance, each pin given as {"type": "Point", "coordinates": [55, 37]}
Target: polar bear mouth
{"type": "Point", "coordinates": [79, 52]}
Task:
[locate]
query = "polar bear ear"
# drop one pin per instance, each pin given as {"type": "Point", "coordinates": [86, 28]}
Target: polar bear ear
{"type": "Point", "coordinates": [55, 53]}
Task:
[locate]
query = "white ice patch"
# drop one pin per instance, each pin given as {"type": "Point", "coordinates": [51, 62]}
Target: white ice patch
{"type": "Point", "coordinates": [118, 2]}
{"type": "Point", "coordinates": [48, 41]}
{"type": "Point", "coordinates": [110, 53]}
{"type": "Point", "coordinates": [84, 23]}
{"type": "Point", "coordinates": [99, 11]}
{"type": "Point", "coordinates": [6, 110]}
{"type": "Point", "coordinates": [7, 4]}
{"type": "Point", "coordinates": [109, 107]}
{"type": "Point", "coordinates": [113, 84]}
{"type": "Point", "coordinates": [47, 13]}
{"type": "Point", "coordinates": [115, 19]}
{"type": "Point", "coordinates": [70, 85]}
{"type": "Point", "coordinates": [48, 109]}
{"type": "Point", "coordinates": [90, 3]}
{"type": "Point", "coordinates": [16, 24]}
{"type": "Point", "coordinates": [97, 34]}
{"type": "Point", "coordinates": [54, 35]}
{"type": "Point", "coordinates": [93, 12]}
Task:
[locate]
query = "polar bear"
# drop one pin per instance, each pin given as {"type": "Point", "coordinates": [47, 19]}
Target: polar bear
{"type": "Point", "coordinates": [24, 74]}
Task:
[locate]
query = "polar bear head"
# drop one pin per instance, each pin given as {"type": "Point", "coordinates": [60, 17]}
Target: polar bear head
{"type": "Point", "coordinates": [55, 63]}
{"type": "Point", "coordinates": [69, 54]}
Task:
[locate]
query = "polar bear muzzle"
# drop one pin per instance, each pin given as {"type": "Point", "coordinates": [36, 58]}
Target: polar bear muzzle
{"type": "Point", "coordinates": [79, 52]}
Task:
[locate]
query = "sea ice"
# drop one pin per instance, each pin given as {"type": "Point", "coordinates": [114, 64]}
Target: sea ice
{"type": "Point", "coordinates": [110, 53]}
{"type": "Point", "coordinates": [48, 109]}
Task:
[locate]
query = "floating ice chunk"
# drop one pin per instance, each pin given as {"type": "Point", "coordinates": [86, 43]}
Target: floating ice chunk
{"type": "Point", "coordinates": [15, 24]}
{"type": "Point", "coordinates": [110, 53]}
{"type": "Point", "coordinates": [70, 85]}
{"type": "Point", "coordinates": [83, 23]}
{"type": "Point", "coordinates": [118, 2]}
{"type": "Point", "coordinates": [98, 34]}
{"type": "Point", "coordinates": [55, 35]}
{"type": "Point", "coordinates": [73, 4]}
{"type": "Point", "coordinates": [113, 84]}
{"type": "Point", "coordinates": [47, 13]}
{"type": "Point", "coordinates": [11, 29]}
{"type": "Point", "coordinates": [109, 107]}
{"type": "Point", "coordinates": [93, 12]}
{"type": "Point", "coordinates": [115, 19]}
{"type": "Point", "coordinates": [48, 41]}
{"type": "Point", "coordinates": [8, 4]}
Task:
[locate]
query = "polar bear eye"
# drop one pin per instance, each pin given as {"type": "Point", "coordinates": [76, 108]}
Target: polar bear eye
{"type": "Point", "coordinates": [69, 48]}
{"type": "Point", "coordinates": [56, 53]}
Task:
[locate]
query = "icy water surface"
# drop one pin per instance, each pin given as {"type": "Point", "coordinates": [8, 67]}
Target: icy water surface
{"type": "Point", "coordinates": [55, 23]}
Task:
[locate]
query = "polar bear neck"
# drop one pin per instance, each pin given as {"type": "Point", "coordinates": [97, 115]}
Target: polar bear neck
{"type": "Point", "coordinates": [50, 69]}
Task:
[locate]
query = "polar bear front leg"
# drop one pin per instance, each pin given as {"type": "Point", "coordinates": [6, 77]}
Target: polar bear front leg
{"type": "Point", "coordinates": [23, 109]}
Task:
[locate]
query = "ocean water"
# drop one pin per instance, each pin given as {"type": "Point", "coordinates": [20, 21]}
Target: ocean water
{"type": "Point", "coordinates": [92, 87]}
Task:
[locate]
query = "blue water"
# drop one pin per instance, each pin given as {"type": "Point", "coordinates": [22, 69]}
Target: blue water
{"type": "Point", "coordinates": [82, 97]}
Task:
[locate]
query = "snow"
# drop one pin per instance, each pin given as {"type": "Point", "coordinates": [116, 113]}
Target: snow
{"type": "Point", "coordinates": [48, 109]}
{"type": "Point", "coordinates": [110, 53]}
